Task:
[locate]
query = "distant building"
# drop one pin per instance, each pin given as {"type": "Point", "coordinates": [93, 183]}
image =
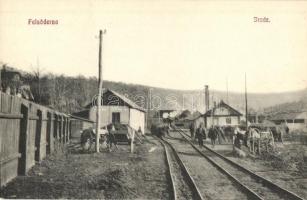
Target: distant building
{"type": "Point", "coordinates": [11, 83]}
{"type": "Point", "coordinates": [222, 115]}
{"type": "Point", "coordinates": [196, 119]}
{"type": "Point", "coordinates": [116, 109]}
{"type": "Point", "coordinates": [254, 117]}
{"type": "Point", "coordinates": [294, 120]}
{"type": "Point", "coordinates": [185, 119]}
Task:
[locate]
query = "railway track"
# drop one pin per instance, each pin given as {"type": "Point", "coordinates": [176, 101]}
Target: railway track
{"type": "Point", "coordinates": [182, 184]}
{"type": "Point", "coordinates": [256, 186]}
{"type": "Point", "coordinates": [211, 182]}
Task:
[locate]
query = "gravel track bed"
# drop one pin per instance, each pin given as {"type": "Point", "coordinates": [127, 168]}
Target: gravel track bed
{"type": "Point", "coordinates": [180, 181]}
{"type": "Point", "coordinates": [212, 183]}
{"type": "Point", "coordinates": [246, 178]}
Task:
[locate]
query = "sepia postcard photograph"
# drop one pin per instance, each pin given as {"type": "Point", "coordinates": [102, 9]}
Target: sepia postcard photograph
{"type": "Point", "coordinates": [153, 99]}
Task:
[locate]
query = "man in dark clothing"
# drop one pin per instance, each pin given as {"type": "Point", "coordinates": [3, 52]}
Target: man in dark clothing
{"type": "Point", "coordinates": [192, 129]}
{"type": "Point", "coordinates": [212, 135]}
{"type": "Point", "coordinates": [111, 137]}
{"type": "Point", "coordinates": [200, 133]}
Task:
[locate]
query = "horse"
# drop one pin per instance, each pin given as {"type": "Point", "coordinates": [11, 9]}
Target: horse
{"type": "Point", "coordinates": [279, 133]}
{"type": "Point", "coordinates": [87, 139]}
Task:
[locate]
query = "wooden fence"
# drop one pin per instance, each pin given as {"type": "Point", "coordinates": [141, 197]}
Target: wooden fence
{"type": "Point", "coordinates": [28, 132]}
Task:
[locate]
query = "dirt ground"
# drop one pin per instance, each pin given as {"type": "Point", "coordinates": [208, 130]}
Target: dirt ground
{"type": "Point", "coordinates": [115, 175]}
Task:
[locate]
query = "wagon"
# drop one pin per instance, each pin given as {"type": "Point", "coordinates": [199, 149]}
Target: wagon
{"type": "Point", "coordinates": [122, 133]}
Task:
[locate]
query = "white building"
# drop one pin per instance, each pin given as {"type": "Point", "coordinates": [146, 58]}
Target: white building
{"type": "Point", "coordinates": [222, 115]}
{"type": "Point", "coordinates": [117, 108]}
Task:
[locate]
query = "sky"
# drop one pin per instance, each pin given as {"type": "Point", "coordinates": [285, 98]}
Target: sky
{"type": "Point", "coordinates": [171, 44]}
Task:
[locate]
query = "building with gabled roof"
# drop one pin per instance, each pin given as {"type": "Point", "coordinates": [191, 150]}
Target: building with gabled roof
{"type": "Point", "coordinates": [222, 115]}
{"type": "Point", "coordinates": [294, 120]}
{"type": "Point", "coordinates": [116, 108]}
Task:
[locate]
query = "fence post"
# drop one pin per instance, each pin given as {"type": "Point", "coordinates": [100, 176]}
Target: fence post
{"type": "Point", "coordinates": [64, 130]}
{"type": "Point", "coordinates": [68, 130]}
{"type": "Point", "coordinates": [56, 129]}
{"type": "Point", "coordinates": [50, 132]}
{"type": "Point", "coordinates": [23, 140]}
{"type": "Point", "coordinates": [64, 127]}
{"type": "Point", "coordinates": [38, 135]}
{"type": "Point", "coordinates": [61, 129]}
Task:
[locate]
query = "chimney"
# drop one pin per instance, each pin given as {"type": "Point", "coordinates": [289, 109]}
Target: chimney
{"type": "Point", "coordinates": [206, 98]}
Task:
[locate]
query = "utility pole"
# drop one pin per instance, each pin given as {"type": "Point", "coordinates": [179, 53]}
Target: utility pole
{"type": "Point", "coordinates": [0, 78]}
{"type": "Point", "coordinates": [148, 108]}
{"type": "Point", "coordinates": [38, 79]}
{"type": "Point", "coordinates": [246, 113]}
{"type": "Point", "coordinates": [227, 90]}
{"type": "Point", "coordinates": [212, 111]}
{"type": "Point", "coordinates": [100, 80]}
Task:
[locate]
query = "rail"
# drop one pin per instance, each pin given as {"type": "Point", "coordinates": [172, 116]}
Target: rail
{"type": "Point", "coordinates": [192, 184]}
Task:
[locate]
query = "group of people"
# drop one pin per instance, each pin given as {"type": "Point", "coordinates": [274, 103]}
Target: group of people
{"type": "Point", "coordinates": [200, 133]}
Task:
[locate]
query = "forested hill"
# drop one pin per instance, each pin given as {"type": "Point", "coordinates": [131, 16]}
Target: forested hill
{"type": "Point", "coordinates": [71, 94]}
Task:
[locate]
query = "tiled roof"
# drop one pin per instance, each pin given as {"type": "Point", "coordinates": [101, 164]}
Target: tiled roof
{"type": "Point", "coordinates": [128, 101]}
{"type": "Point", "coordinates": [289, 115]}
{"type": "Point", "coordinates": [122, 97]}
{"type": "Point", "coordinates": [232, 111]}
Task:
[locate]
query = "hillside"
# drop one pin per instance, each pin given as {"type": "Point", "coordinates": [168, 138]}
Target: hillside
{"type": "Point", "coordinates": [182, 99]}
{"type": "Point", "coordinates": [71, 94]}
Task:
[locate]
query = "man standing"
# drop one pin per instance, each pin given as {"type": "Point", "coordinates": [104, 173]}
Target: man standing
{"type": "Point", "coordinates": [212, 135]}
{"type": "Point", "coordinates": [192, 129]}
{"type": "Point", "coordinates": [111, 137]}
{"type": "Point", "coordinates": [200, 133]}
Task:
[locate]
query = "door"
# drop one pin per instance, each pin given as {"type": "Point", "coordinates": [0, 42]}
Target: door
{"type": "Point", "coordinates": [115, 117]}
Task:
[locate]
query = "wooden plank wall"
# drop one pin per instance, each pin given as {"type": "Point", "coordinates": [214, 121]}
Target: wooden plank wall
{"type": "Point", "coordinates": [28, 133]}
{"type": "Point", "coordinates": [9, 137]}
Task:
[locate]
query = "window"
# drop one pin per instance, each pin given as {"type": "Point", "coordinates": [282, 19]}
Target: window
{"type": "Point", "coordinates": [228, 120]}
{"type": "Point", "coordinates": [115, 117]}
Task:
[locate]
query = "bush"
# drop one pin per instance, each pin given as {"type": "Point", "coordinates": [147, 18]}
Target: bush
{"type": "Point", "coordinates": [292, 157]}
